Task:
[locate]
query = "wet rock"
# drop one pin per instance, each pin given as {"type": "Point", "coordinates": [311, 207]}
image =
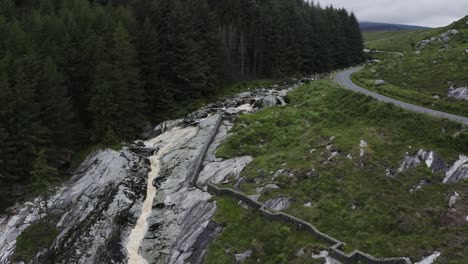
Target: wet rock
{"type": "Point", "coordinates": [278, 204]}
{"type": "Point", "coordinates": [458, 171]}
{"type": "Point", "coordinates": [164, 126]}
{"type": "Point", "coordinates": [185, 212]}
{"type": "Point", "coordinates": [300, 253]}
{"type": "Point", "coordinates": [107, 187]}
{"type": "Point", "coordinates": [269, 100]}
{"type": "Point", "coordinates": [243, 256]}
{"type": "Point", "coordinates": [281, 100]}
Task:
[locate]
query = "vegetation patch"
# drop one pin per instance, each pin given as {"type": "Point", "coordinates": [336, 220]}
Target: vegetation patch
{"type": "Point", "coordinates": [270, 242]}
{"type": "Point", "coordinates": [424, 73]}
{"type": "Point", "coordinates": [35, 237]}
{"type": "Point", "coordinates": [352, 198]}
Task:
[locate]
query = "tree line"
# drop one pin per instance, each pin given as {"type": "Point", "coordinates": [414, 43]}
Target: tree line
{"type": "Point", "coordinates": [78, 72]}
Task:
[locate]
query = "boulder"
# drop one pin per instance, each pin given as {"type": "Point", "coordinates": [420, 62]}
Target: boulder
{"type": "Point", "coordinates": [217, 172]}
{"type": "Point", "coordinates": [163, 127]}
{"type": "Point", "coordinates": [458, 93]}
{"type": "Point", "coordinates": [243, 256]}
{"type": "Point", "coordinates": [269, 100]}
{"type": "Point", "coordinates": [453, 199]}
{"type": "Point", "coordinates": [379, 82]}
{"type": "Point", "coordinates": [278, 204]}
{"type": "Point", "coordinates": [430, 158]}
{"type": "Point", "coordinates": [458, 171]}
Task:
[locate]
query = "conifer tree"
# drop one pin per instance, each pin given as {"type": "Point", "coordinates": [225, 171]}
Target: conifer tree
{"type": "Point", "coordinates": [56, 112]}
{"type": "Point", "coordinates": [43, 177]}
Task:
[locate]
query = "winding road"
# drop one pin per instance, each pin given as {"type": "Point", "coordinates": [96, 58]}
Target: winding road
{"type": "Point", "coordinates": [344, 78]}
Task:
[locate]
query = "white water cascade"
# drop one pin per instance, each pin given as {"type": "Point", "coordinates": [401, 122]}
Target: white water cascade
{"type": "Point", "coordinates": [164, 142]}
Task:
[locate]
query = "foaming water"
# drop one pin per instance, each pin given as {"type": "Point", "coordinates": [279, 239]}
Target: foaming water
{"type": "Point", "coordinates": [164, 142]}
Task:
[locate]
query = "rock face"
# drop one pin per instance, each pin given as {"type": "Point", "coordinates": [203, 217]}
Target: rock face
{"type": "Point", "coordinates": [458, 93]}
{"type": "Point", "coordinates": [458, 171]}
{"type": "Point", "coordinates": [99, 207]}
{"type": "Point", "coordinates": [430, 158]}
{"type": "Point", "coordinates": [278, 204]}
{"type": "Point", "coordinates": [218, 172]}
{"type": "Point", "coordinates": [106, 189]}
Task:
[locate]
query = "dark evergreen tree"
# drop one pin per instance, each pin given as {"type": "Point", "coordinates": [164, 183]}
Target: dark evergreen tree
{"type": "Point", "coordinates": [56, 111]}
{"type": "Point", "coordinates": [80, 72]}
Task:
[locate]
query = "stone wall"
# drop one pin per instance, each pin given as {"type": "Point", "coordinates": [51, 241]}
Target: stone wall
{"type": "Point", "coordinates": [199, 160]}
{"type": "Point", "coordinates": [335, 250]}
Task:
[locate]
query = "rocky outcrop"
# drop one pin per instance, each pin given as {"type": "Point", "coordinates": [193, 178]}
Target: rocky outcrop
{"type": "Point", "coordinates": [379, 82]}
{"type": "Point", "coordinates": [458, 93]}
{"type": "Point", "coordinates": [97, 208]}
{"type": "Point", "coordinates": [278, 204]}
{"type": "Point", "coordinates": [458, 171]}
{"type": "Point", "coordinates": [218, 172]}
{"type": "Point", "coordinates": [429, 259]}
{"type": "Point", "coordinates": [430, 158]}
{"type": "Point", "coordinates": [444, 38]}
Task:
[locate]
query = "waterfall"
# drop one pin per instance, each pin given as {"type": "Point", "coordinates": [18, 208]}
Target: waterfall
{"type": "Point", "coordinates": [163, 142]}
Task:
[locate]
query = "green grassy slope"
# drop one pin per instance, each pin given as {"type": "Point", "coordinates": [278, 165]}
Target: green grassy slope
{"type": "Point", "coordinates": [357, 204]}
{"type": "Point", "coordinates": [422, 75]}
{"type": "Point", "coordinates": [270, 242]}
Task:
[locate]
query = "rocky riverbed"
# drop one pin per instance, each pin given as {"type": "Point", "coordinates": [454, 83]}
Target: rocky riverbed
{"type": "Point", "coordinates": [108, 211]}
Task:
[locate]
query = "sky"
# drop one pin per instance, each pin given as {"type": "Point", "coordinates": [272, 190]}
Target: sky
{"type": "Point", "coordinates": [430, 13]}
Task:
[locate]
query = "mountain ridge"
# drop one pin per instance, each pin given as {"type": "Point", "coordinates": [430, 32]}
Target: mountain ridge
{"type": "Point", "coordinates": [379, 26]}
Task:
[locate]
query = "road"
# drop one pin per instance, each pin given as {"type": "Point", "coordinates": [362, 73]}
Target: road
{"type": "Point", "coordinates": [344, 78]}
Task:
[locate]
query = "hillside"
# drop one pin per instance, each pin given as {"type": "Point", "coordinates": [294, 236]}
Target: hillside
{"type": "Point", "coordinates": [376, 26]}
{"type": "Point", "coordinates": [347, 164]}
{"type": "Point", "coordinates": [80, 75]}
{"type": "Point", "coordinates": [431, 71]}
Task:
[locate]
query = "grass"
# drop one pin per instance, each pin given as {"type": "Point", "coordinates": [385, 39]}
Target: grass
{"type": "Point", "coordinates": [397, 41]}
{"type": "Point", "coordinates": [37, 236]}
{"type": "Point", "coordinates": [425, 77]}
{"type": "Point", "coordinates": [356, 204]}
{"type": "Point", "coordinates": [271, 242]}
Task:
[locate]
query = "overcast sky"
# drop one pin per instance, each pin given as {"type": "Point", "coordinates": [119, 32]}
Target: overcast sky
{"type": "Point", "coordinates": [431, 13]}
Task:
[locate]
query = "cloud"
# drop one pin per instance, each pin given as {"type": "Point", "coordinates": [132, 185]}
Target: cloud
{"type": "Point", "coordinates": [432, 13]}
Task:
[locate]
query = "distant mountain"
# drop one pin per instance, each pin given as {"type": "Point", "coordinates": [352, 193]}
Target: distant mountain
{"type": "Point", "coordinates": [376, 26]}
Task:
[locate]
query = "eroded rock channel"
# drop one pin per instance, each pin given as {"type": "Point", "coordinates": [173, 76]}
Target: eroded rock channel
{"type": "Point", "coordinates": [142, 204]}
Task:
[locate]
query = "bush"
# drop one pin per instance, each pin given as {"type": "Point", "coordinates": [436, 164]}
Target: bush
{"type": "Point", "coordinates": [35, 237]}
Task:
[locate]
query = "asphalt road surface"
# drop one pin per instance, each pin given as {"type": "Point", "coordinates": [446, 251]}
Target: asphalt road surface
{"type": "Point", "coordinates": [344, 78]}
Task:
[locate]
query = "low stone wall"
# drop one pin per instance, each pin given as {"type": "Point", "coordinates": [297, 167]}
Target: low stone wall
{"type": "Point", "coordinates": [199, 160]}
{"type": "Point", "coordinates": [232, 193]}
{"type": "Point", "coordinates": [335, 250]}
